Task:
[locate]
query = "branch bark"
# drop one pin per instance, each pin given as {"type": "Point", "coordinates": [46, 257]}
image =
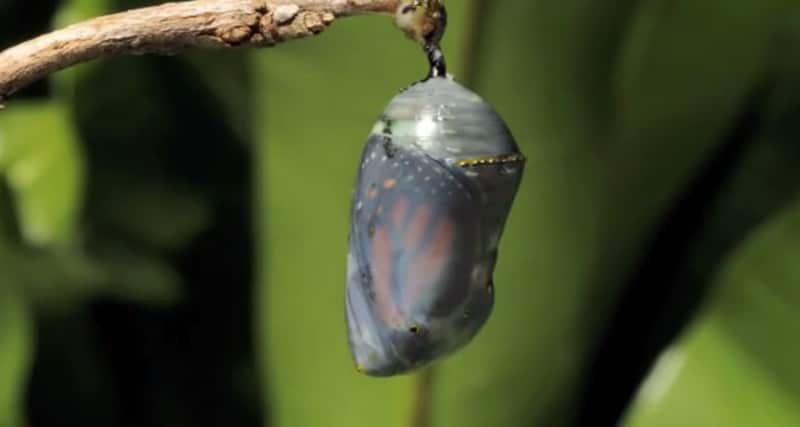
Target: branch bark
{"type": "Point", "coordinates": [172, 27]}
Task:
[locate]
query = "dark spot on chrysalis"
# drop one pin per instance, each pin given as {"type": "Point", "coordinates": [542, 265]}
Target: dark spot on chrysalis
{"type": "Point", "coordinates": [414, 330]}
{"type": "Point", "coordinates": [387, 125]}
{"type": "Point", "coordinates": [370, 292]}
{"type": "Point", "coordinates": [366, 282]}
{"type": "Point", "coordinates": [373, 191]}
{"type": "Point", "coordinates": [388, 147]}
{"type": "Point", "coordinates": [418, 349]}
{"type": "Point", "coordinates": [371, 228]}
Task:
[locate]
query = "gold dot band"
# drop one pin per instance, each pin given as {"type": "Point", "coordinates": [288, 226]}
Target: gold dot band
{"type": "Point", "coordinates": [485, 161]}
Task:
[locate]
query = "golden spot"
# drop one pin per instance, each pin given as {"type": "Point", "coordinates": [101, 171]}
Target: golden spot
{"type": "Point", "coordinates": [389, 183]}
{"type": "Point", "coordinates": [372, 193]}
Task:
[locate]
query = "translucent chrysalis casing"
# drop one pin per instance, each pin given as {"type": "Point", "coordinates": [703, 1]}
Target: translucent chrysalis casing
{"type": "Point", "coordinates": [436, 182]}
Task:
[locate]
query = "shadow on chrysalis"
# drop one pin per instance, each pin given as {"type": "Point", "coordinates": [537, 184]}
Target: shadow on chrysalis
{"type": "Point", "coordinates": [437, 179]}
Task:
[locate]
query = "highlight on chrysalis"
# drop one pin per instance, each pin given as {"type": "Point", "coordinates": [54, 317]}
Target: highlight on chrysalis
{"type": "Point", "coordinates": [436, 181]}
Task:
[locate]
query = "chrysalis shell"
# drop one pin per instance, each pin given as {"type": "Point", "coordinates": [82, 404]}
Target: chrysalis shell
{"type": "Point", "coordinates": [437, 179]}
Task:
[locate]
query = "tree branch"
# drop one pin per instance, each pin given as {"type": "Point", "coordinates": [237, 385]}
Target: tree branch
{"type": "Point", "coordinates": [172, 27]}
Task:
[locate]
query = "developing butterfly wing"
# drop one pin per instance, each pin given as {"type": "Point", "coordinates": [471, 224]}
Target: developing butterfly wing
{"type": "Point", "coordinates": [412, 291]}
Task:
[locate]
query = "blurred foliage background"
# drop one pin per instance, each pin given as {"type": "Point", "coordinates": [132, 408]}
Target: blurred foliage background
{"type": "Point", "coordinates": [173, 229]}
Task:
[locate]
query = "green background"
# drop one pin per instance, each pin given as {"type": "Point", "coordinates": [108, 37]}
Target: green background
{"type": "Point", "coordinates": [173, 229]}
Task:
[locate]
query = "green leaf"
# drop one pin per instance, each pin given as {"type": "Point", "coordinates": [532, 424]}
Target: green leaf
{"type": "Point", "coordinates": [41, 158]}
{"type": "Point", "coordinates": [62, 277]}
{"type": "Point", "coordinates": [16, 341]}
{"type": "Point", "coordinates": [166, 217]}
{"type": "Point", "coordinates": [738, 365]}
{"type": "Point", "coordinates": [135, 277]}
{"type": "Point", "coordinates": [680, 83]}
{"type": "Point", "coordinates": [317, 100]}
